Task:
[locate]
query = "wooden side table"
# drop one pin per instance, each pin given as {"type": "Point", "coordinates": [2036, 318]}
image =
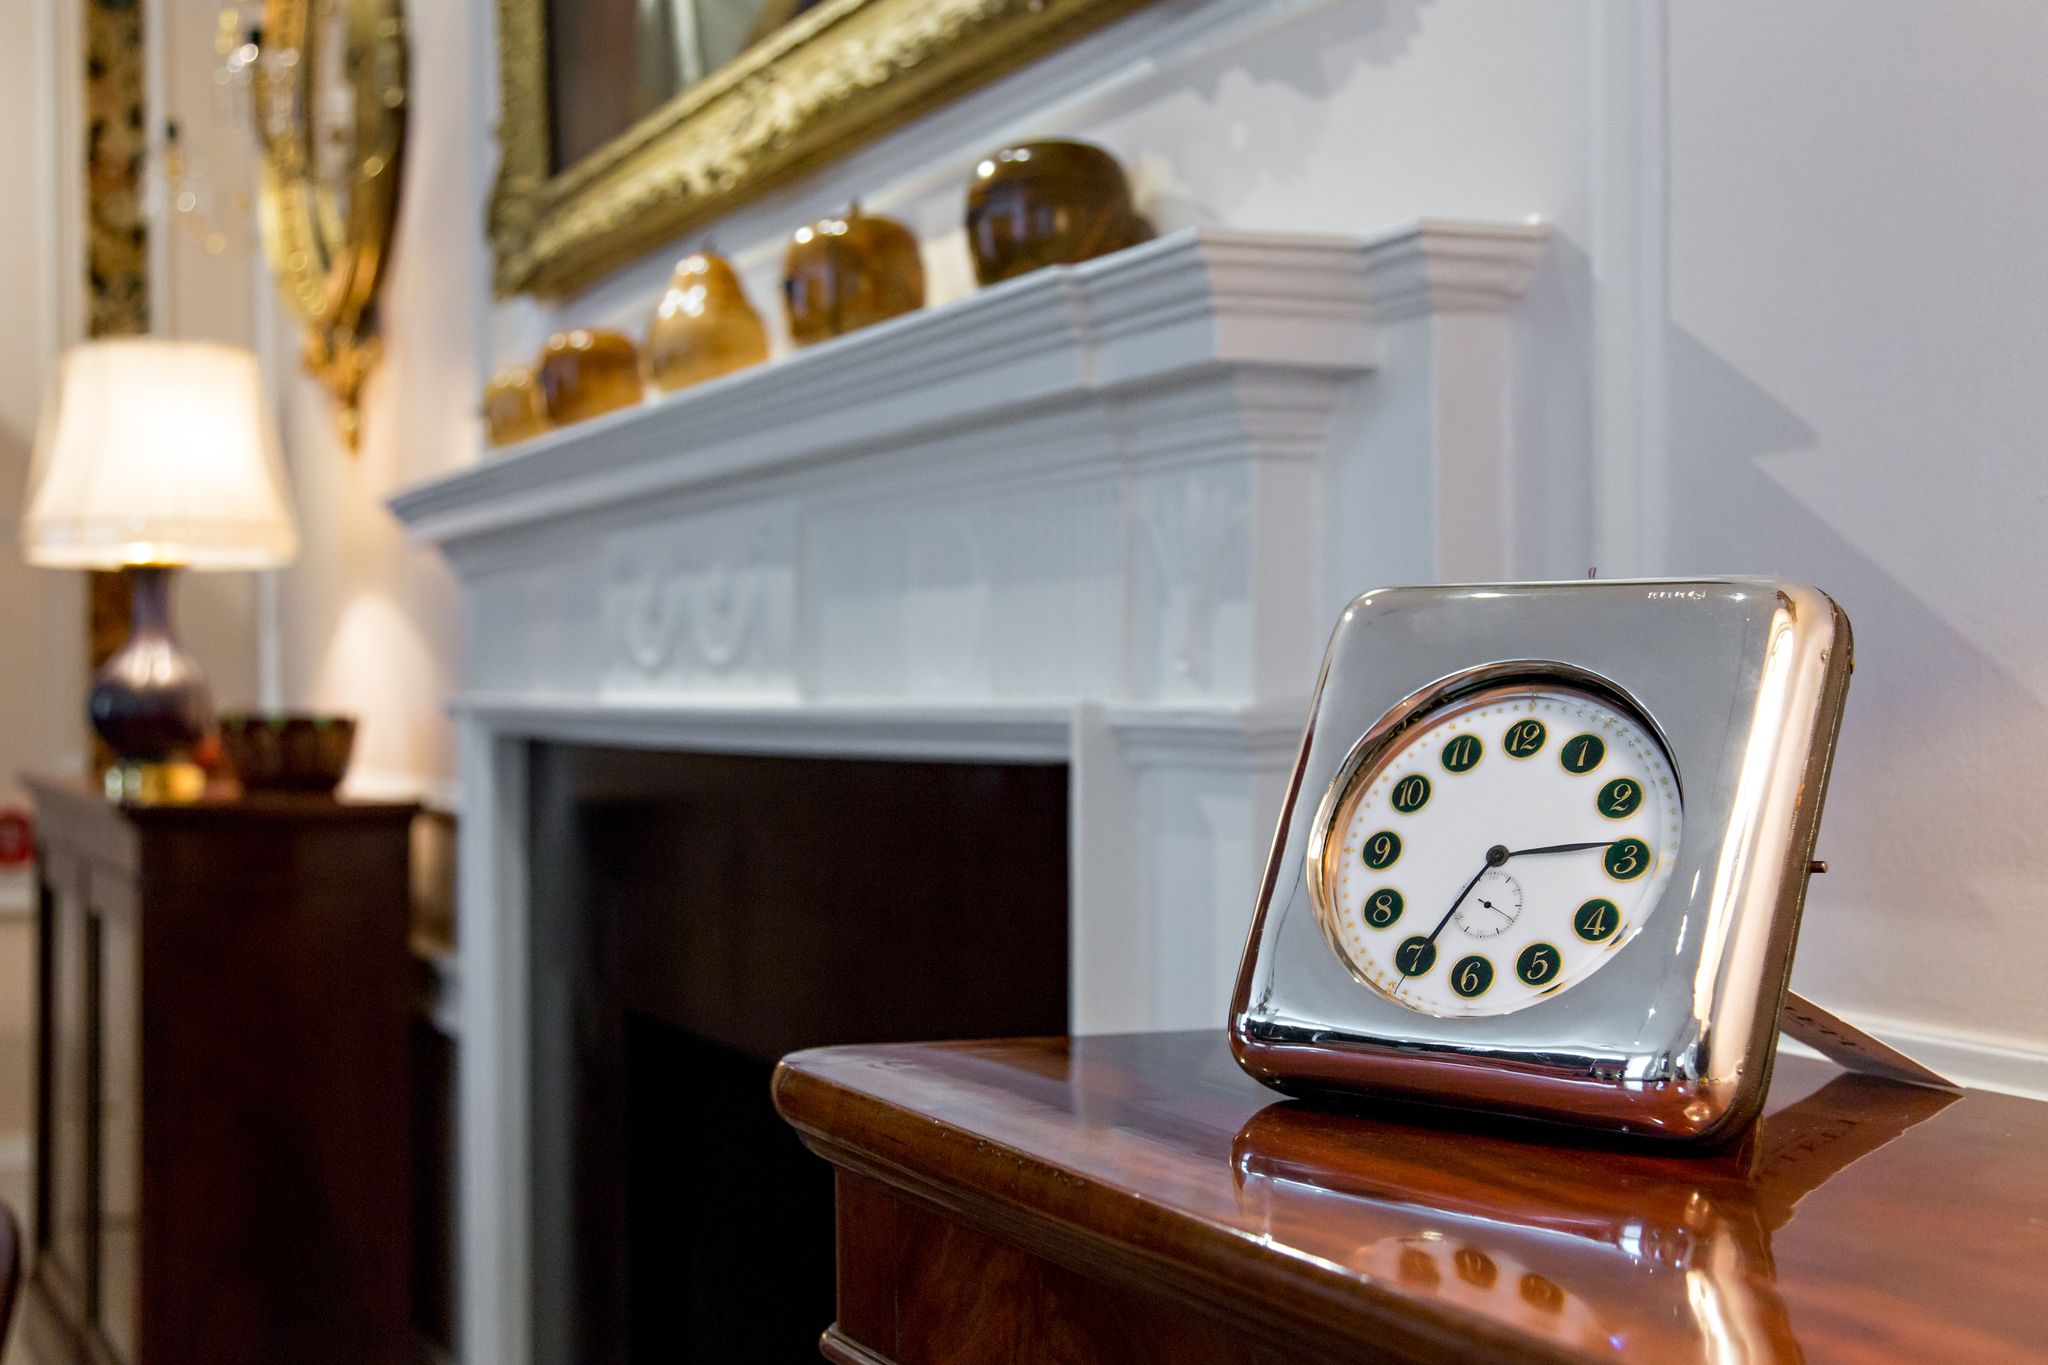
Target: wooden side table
{"type": "Point", "coordinates": [1136, 1199]}
{"type": "Point", "coordinates": [224, 1157]}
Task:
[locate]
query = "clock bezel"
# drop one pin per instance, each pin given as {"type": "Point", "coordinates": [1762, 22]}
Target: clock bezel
{"type": "Point", "coordinates": [1421, 709]}
{"type": "Point", "coordinates": [1743, 682]}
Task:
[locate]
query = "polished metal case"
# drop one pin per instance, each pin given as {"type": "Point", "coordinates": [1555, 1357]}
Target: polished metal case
{"type": "Point", "coordinates": [1744, 681]}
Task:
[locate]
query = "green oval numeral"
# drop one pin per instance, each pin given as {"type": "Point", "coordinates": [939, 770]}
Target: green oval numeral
{"type": "Point", "coordinates": [1475, 1267]}
{"type": "Point", "coordinates": [1524, 738]}
{"type": "Point", "coordinates": [1582, 753]}
{"type": "Point", "coordinates": [1471, 976]}
{"type": "Point", "coordinates": [1620, 798]}
{"type": "Point", "coordinates": [1538, 964]}
{"type": "Point", "coordinates": [1415, 956]}
{"type": "Point", "coordinates": [1383, 907]}
{"type": "Point", "coordinates": [1538, 1292]}
{"type": "Point", "coordinates": [1411, 793]}
{"type": "Point", "coordinates": [1461, 755]}
{"type": "Point", "coordinates": [1627, 859]}
{"type": "Point", "coordinates": [1381, 850]}
{"type": "Point", "coordinates": [1596, 920]}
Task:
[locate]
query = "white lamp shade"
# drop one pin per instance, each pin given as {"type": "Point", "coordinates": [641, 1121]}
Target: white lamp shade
{"type": "Point", "coordinates": [158, 452]}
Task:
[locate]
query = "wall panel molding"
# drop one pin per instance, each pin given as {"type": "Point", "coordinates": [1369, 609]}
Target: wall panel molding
{"type": "Point", "coordinates": [1631, 284]}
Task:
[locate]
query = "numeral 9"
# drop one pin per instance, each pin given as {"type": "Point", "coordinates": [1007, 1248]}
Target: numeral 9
{"type": "Point", "coordinates": [1381, 850]}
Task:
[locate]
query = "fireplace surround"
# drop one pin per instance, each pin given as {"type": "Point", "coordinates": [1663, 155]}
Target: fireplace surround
{"type": "Point", "coordinates": [1092, 518]}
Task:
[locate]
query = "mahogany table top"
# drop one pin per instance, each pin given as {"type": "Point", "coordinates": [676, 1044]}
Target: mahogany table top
{"type": "Point", "coordinates": [1859, 1222]}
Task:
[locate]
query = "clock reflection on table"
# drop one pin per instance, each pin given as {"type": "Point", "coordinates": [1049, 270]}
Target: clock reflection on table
{"type": "Point", "coordinates": [1595, 1246]}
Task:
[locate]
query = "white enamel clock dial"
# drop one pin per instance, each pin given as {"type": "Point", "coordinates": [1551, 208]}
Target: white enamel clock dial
{"type": "Point", "coordinates": [1502, 849]}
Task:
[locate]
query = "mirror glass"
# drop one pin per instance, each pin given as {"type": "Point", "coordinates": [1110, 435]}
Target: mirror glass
{"type": "Point", "coordinates": [613, 62]}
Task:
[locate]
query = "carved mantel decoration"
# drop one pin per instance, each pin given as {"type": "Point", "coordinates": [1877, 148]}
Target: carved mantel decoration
{"type": "Point", "coordinates": [1099, 515]}
{"type": "Point", "coordinates": [840, 74]}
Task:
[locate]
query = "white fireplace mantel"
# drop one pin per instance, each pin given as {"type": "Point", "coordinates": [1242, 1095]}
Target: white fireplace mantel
{"type": "Point", "coordinates": [1094, 516]}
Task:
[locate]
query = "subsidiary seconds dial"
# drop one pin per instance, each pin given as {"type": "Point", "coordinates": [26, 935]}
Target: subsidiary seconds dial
{"type": "Point", "coordinates": [1492, 906]}
{"type": "Point", "coordinates": [1499, 850]}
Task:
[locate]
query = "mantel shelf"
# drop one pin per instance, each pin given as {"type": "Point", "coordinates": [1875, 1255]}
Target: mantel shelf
{"type": "Point", "coordinates": [1202, 302]}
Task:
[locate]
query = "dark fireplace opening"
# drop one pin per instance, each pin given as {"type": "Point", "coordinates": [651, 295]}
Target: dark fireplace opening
{"type": "Point", "coordinates": [697, 916]}
{"type": "Point", "coordinates": [768, 1213]}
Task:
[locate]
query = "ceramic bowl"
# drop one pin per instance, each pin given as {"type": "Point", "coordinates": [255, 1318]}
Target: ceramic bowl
{"type": "Point", "coordinates": [292, 751]}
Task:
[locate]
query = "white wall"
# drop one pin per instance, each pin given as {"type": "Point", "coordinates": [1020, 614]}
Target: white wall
{"type": "Point", "coordinates": [41, 613]}
{"type": "Point", "coordinates": [368, 626]}
{"type": "Point", "coordinates": [41, 668]}
{"type": "Point", "coordinates": [42, 303]}
{"type": "Point", "coordinates": [1789, 324]}
{"type": "Point", "coordinates": [198, 294]}
{"type": "Point", "coordinates": [1858, 326]}
{"type": "Point", "coordinates": [42, 300]}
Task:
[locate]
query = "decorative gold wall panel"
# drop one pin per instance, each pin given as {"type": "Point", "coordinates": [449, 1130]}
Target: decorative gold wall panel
{"type": "Point", "coordinates": [116, 150]}
{"type": "Point", "coordinates": [116, 252]}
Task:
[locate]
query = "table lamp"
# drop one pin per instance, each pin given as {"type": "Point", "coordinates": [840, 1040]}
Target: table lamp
{"type": "Point", "coordinates": [155, 455]}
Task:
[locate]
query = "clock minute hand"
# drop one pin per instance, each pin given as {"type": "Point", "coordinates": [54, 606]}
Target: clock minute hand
{"type": "Point", "coordinates": [1562, 848]}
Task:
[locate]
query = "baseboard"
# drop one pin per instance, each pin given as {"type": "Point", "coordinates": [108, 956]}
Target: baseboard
{"type": "Point", "coordinates": [841, 1349]}
{"type": "Point", "coordinates": [17, 1154]}
{"type": "Point", "coordinates": [1984, 1061]}
{"type": "Point", "coordinates": [17, 895]}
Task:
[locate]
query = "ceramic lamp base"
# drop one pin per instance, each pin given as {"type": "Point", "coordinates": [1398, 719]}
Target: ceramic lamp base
{"type": "Point", "coordinates": [149, 701]}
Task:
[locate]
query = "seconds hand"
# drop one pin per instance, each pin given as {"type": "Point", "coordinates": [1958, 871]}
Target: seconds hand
{"type": "Point", "coordinates": [1495, 856]}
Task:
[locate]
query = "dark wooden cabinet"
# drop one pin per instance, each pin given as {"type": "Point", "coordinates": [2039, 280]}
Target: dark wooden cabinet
{"type": "Point", "coordinates": [224, 1129]}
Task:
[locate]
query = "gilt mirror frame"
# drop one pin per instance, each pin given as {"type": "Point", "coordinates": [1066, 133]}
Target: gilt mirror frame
{"type": "Point", "coordinates": [328, 234]}
{"type": "Point", "coordinates": [838, 76]}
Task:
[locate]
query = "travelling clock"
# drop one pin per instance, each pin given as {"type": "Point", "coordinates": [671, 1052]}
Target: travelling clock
{"type": "Point", "coordinates": [1545, 854]}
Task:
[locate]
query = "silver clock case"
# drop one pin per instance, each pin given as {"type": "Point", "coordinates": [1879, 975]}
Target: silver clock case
{"type": "Point", "coordinates": [1744, 682]}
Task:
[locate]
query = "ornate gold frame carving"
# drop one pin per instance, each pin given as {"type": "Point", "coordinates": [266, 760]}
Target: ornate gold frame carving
{"type": "Point", "coordinates": [329, 262]}
{"type": "Point", "coordinates": [842, 74]}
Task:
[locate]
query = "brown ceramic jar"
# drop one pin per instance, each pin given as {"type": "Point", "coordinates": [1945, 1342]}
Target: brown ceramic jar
{"type": "Point", "coordinates": [588, 372]}
{"type": "Point", "coordinates": [513, 410]}
{"type": "Point", "coordinates": [1048, 203]}
{"type": "Point", "coordinates": [703, 327]}
{"type": "Point", "coordinates": [843, 274]}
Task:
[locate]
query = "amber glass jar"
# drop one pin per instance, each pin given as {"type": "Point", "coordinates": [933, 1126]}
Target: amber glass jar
{"type": "Point", "coordinates": [513, 408]}
{"type": "Point", "coordinates": [703, 327]}
{"type": "Point", "coordinates": [1048, 203]}
{"type": "Point", "coordinates": [588, 372]}
{"type": "Point", "coordinates": [844, 274]}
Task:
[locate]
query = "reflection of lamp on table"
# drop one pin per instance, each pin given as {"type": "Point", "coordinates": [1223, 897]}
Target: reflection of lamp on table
{"type": "Point", "coordinates": [156, 455]}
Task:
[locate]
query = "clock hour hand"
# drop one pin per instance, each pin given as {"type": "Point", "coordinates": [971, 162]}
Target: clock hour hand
{"type": "Point", "coordinates": [1560, 848]}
